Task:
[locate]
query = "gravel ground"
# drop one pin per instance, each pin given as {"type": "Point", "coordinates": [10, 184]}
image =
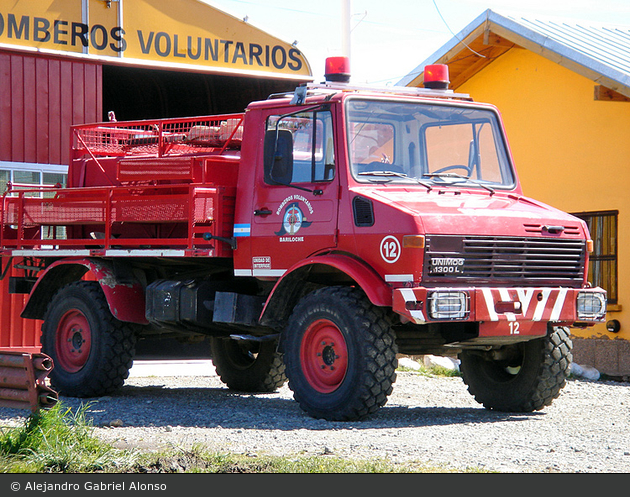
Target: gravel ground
{"type": "Point", "coordinates": [432, 420]}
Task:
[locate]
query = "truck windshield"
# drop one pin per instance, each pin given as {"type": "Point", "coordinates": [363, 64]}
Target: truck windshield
{"type": "Point", "coordinates": [427, 143]}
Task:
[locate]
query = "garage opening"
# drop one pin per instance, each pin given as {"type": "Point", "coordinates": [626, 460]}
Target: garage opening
{"type": "Point", "coordinates": [141, 93]}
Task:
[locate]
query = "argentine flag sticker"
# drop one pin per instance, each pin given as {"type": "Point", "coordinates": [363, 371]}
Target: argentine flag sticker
{"type": "Point", "coordinates": [242, 229]}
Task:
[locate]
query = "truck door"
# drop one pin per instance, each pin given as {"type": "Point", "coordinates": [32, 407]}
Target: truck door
{"type": "Point", "coordinates": [296, 197]}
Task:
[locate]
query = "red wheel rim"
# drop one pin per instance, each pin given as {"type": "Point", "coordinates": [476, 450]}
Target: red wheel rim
{"type": "Point", "coordinates": [324, 356]}
{"type": "Point", "coordinates": [74, 341]}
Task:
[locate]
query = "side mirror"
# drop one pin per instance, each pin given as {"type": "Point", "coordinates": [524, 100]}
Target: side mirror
{"type": "Point", "coordinates": [278, 157]}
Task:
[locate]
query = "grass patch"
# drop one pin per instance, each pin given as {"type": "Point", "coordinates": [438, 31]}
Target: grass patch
{"type": "Point", "coordinates": [58, 441]}
{"type": "Point", "coordinates": [196, 460]}
{"type": "Point", "coordinates": [440, 371]}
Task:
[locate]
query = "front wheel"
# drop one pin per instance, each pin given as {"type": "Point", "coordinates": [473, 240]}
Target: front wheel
{"type": "Point", "coordinates": [525, 377]}
{"type": "Point", "coordinates": [91, 350]}
{"type": "Point", "coordinates": [340, 355]}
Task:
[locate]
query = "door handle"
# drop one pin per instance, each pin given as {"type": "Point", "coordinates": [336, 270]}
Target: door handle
{"type": "Point", "coordinates": [262, 212]}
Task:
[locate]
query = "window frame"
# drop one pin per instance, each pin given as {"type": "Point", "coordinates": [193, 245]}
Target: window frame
{"type": "Point", "coordinates": [595, 275]}
{"type": "Point", "coordinates": [474, 153]}
{"type": "Point", "coordinates": [33, 167]}
{"type": "Point", "coordinates": [353, 135]}
{"type": "Point", "coordinates": [328, 170]}
{"type": "Point", "coordinates": [42, 170]}
{"type": "Point", "coordinates": [486, 114]}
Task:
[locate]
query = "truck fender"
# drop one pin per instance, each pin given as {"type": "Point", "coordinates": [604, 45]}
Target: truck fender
{"type": "Point", "coordinates": [293, 285]}
{"type": "Point", "coordinates": [124, 293]}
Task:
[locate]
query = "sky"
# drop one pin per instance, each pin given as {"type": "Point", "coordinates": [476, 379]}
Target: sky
{"type": "Point", "coordinates": [390, 38]}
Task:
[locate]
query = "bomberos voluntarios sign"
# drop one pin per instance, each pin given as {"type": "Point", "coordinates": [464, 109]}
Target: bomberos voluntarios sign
{"type": "Point", "coordinates": [187, 32]}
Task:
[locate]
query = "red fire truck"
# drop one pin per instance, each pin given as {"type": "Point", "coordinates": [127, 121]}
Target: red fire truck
{"type": "Point", "coordinates": [313, 238]}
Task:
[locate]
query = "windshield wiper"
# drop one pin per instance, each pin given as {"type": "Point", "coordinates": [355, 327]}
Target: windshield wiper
{"type": "Point", "coordinates": [459, 176]}
{"type": "Point", "coordinates": [398, 175]}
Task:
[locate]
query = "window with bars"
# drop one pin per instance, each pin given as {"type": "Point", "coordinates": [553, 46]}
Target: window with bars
{"type": "Point", "coordinates": [26, 177]}
{"type": "Point", "coordinates": [25, 174]}
{"type": "Point", "coordinates": [602, 269]}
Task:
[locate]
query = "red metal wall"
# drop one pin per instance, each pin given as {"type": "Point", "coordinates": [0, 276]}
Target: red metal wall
{"type": "Point", "coordinates": [41, 97]}
{"type": "Point", "coordinates": [16, 333]}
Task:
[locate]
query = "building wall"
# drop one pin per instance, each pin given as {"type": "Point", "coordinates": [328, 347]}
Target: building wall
{"type": "Point", "coordinates": [570, 151]}
{"type": "Point", "coordinates": [41, 98]}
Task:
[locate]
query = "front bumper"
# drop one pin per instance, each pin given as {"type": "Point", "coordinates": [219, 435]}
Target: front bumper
{"type": "Point", "coordinates": [502, 311]}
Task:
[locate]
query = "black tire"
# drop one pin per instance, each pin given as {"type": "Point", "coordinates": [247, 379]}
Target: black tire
{"type": "Point", "coordinates": [526, 379]}
{"type": "Point", "coordinates": [248, 366]}
{"type": "Point", "coordinates": [340, 354]}
{"type": "Point", "coordinates": [91, 350]}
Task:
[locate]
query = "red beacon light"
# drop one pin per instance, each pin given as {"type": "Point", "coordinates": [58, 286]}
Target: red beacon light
{"type": "Point", "coordinates": [436, 77]}
{"type": "Point", "coordinates": [337, 69]}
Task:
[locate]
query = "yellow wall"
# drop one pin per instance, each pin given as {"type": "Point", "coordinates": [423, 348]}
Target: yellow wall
{"type": "Point", "coordinates": [570, 151]}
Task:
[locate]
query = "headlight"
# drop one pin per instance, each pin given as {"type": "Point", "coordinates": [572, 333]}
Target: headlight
{"type": "Point", "coordinates": [591, 306]}
{"type": "Point", "coordinates": [448, 305]}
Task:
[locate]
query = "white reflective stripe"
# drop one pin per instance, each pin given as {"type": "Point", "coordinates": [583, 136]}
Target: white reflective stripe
{"type": "Point", "coordinates": [260, 272]}
{"type": "Point", "coordinates": [144, 253]}
{"type": "Point", "coordinates": [409, 296]}
{"type": "Point", "coordinates": [487, 294]}
{"type": "Point", "coordinates": [418, 317]}
{"type": "Point", "coordinates": [269, 272]}
{"type": "Point", "coordinates": [540, 307]}
{"type": "Point", "coordinates": [398, 278]}
{"type": "Point", "coordinates": [505, 296]}
{"type": "Point", "coordinates": [49, 253]}
{"type": "Point", "coordinates": [525, 296]}
{"type": "Point", "coordinates": [557, 307]}
{"type": "Point", "coordinates": [109, 253]}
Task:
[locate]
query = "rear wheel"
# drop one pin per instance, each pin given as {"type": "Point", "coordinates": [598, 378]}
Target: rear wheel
{"type": "Point", "coordinates": [520, 378]}
{"type": "Point", "coordinates": [340, 355]}
{"type": "Point", "coordinates": [91, 350]}
{"type": "Point", "coordinates": [248, 366]}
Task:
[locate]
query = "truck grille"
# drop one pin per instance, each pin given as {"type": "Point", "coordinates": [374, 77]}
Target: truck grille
{"type": "Point", "coordinates": [522, 260]}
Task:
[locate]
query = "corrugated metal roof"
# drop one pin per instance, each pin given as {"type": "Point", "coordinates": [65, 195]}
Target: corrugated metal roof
{"type": "Point", "coordinates": [608, 45]}
{"type": "Point", "coordinates": [595, 50]}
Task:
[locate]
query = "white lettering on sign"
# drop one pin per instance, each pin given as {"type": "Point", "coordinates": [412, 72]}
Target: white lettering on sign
{"type": "Point", "coordinates": [73, 35]}
{"type": "Point", "coordinates": [261, 262]}
{"type": "Point", "coordinates": [291, 198]}
{"type": "Point", "coordinates": [445, 265]}
{"type": "Point", "coordinates": [447, 261]}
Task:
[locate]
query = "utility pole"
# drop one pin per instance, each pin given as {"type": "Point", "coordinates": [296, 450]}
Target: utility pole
{"type": "Point", "coordinates": [345, 28]}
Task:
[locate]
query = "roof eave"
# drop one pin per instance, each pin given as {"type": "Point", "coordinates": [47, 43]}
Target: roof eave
{"type": "Point", "coordinates": [524, 37]}
{"type": "Point", "coordinates": [454, 46]}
